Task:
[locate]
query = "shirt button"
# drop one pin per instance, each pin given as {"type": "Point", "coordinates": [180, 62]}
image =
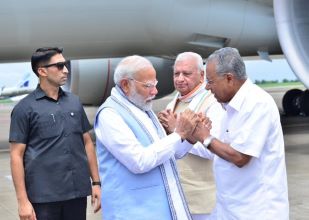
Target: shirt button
{"type": "Point", "coordinates": [66, 134]}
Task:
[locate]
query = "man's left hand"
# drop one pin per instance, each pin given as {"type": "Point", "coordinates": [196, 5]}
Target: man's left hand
{"type": "Point", "coordinates": [202, 130]}
{"type": "Point", "coordinates": [96, 198]}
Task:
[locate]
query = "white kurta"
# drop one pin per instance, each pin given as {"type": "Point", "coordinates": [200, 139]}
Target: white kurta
{"type": "Point", "coordinates": [114, 134]}
{"type": "Point", "coordinates": [196, 173]}
{"type": "Point", "coordinates": [259, 189]}
{"type": "Point", "coordinates": [121, 142]}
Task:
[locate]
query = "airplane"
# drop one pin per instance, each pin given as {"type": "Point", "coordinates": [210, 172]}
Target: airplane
{"type": "Point", "coordinates": [12, 100]}
{"type": "Point", "coordinates": [96, 34]}
{"type": "Point", "coordinates": [18, 91]}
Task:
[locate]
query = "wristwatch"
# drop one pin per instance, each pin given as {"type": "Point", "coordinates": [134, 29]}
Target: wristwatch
{"type": "Point", "coordinates": [208, 140]}
{"type": "Point", "coordinates": [96, 183]}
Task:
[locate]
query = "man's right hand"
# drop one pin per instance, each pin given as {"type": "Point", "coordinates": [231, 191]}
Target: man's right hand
{"type": "Point", "coordinates": [26, 211]}
{"type": "Point", "coordinates": [186, 123]}
{"type": "Point", "coordinates": [168, 120]}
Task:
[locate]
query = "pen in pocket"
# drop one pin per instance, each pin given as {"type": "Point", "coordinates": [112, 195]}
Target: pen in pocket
{"type": "Point", "coordinates": [53, 117]}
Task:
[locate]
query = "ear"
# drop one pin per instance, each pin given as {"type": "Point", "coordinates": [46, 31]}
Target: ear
{"type": "Point", "coordinates": [42, 71]}
{"type": "Point", "coordinates": [202, 76]}
{"type": "Point", "coordinates": [229, 77]}
{"type": "Point", "coordinates": [125, 86]}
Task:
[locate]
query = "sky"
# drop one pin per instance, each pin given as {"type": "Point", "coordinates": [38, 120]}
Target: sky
{"type": "Point", "coordinates": [12, 73]}
{"type": "Point", "coordinates": [278, 69]}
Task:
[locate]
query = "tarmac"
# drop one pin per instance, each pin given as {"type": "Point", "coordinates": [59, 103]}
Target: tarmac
{"type": "Point", "coordinates": [296, 138]}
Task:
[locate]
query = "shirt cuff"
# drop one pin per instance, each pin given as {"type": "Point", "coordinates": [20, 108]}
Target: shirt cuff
{"type": "Point", "coordinates": [200, 150]}
{"type": "Point", "coordinates": [181, 148]}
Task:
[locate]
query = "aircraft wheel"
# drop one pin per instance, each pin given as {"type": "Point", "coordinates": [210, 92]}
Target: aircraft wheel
{"type": "Point", "coordinates": [304, 103]}
{"type": "Point", "coordinates": [291, 102]}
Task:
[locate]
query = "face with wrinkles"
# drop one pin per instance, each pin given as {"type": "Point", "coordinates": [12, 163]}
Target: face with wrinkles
{"type": "Point", "coordinates": [220, 85]}
{"type": "Point", "coordinates": [142, 88]}
{"type": "Point", "coordinates": [187, 75]}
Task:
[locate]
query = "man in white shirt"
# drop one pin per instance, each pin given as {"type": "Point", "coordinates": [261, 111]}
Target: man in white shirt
{"type": "Point", "coordinates": [249, 162]}
{"type": "Point", "coordinates": [195, 172]}
{"type": "Point", "coordinates": [136, 158]}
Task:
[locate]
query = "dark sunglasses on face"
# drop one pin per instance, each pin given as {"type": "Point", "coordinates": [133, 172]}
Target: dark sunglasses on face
{"type": "Point", "coordinates": [59, 65]}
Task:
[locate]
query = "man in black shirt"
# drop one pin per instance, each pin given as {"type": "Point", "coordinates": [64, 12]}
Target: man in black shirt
{"type": "Point", "coordinates": [52, 154]}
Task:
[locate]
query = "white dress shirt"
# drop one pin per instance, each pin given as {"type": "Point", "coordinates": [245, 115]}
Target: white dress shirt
{"type": "Point", "coordinates": [259, 189]}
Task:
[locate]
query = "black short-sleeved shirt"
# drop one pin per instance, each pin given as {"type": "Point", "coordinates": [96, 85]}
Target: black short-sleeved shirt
{"type": "Point", "coordinates": [55, 160]}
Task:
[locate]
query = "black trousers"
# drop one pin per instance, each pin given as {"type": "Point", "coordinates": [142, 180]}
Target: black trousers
{"type": "Point", "coordinates": [74, 209]}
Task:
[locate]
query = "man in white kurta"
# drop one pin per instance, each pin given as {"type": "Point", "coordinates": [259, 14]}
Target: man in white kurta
{"type": "Point", "coordinates": [196, 172]}
{"type": "Point", "coordinates": [136, 158]}
{"type": "Point", "coordinates": [249, 160]}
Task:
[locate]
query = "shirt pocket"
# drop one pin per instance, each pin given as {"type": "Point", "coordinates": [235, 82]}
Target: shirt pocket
{"type": "Point", "coordinates": [49, 126]}
{"type": "Point", "coordinates": [73, 121]}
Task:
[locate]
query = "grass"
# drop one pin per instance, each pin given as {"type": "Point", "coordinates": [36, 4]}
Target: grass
{"type": "Point", "coordinates": [280, 84]}
{"type": "Point", "coordinates": [5, 101]}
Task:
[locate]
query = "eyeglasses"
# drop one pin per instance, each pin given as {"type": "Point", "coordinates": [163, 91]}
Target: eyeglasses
{"type": "Point", "coordinates": [148, 85]}
{"type": "Point", "coordinates": [59, 65]}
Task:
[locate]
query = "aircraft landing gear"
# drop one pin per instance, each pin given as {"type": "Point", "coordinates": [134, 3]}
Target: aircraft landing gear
{"type": "Point", "coordinates": [304, 103]}
{"type": "Point", "coordinates": [296, 102]}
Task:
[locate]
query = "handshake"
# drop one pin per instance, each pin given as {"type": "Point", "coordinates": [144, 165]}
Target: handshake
{"type": "Point", "coordinates": [189, 125]}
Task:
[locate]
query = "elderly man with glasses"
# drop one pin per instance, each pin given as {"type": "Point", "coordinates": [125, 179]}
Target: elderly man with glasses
{"type": "Point", "coordinates": [52, 155]}
{"type": "Point", "coordinates": [136, 157]}
{"type": "Point", "coordinates": [249, 160]}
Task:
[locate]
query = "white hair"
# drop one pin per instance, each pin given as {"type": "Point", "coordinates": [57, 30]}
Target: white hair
{"type": "Point", "coordinates": [228, 59]}
{"type": "Point", "coordinates": [129, 66]}
{"type": "Point", "coordinates": [187, 55]}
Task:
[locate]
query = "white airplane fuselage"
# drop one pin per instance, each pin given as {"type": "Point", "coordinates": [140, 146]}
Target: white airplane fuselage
{"type": "Point", "coordinates": [106, 30]}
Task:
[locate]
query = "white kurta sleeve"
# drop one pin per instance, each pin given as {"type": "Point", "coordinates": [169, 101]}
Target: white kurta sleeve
{"type": "Point", "coordinates": [200, 150]}
{"type": "Point", "coordinates": [112, 131]}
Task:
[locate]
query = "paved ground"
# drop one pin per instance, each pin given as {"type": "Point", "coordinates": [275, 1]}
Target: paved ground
{"type": "Point", "coordinates": [296, 137]}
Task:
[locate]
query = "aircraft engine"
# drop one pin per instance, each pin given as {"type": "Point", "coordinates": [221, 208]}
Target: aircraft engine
{"type": "Point", "coordinates": [292, 22]}
{"type": "Point", "coordinates": [93, 79]}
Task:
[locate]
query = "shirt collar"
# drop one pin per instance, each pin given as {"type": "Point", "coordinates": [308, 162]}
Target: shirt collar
{"type": "Point", "coordinates": [238, 99]}
{"type": "Point", "coordinates": [39, 93]}
{"type": "Point", "coordinates": [188, 98]}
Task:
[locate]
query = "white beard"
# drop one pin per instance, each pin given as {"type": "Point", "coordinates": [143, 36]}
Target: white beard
{"type": "Point", "coordinates": [140, 101]}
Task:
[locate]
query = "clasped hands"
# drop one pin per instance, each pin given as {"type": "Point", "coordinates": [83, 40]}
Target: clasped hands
{"type": "Point", "coordinates": [189, 125]}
